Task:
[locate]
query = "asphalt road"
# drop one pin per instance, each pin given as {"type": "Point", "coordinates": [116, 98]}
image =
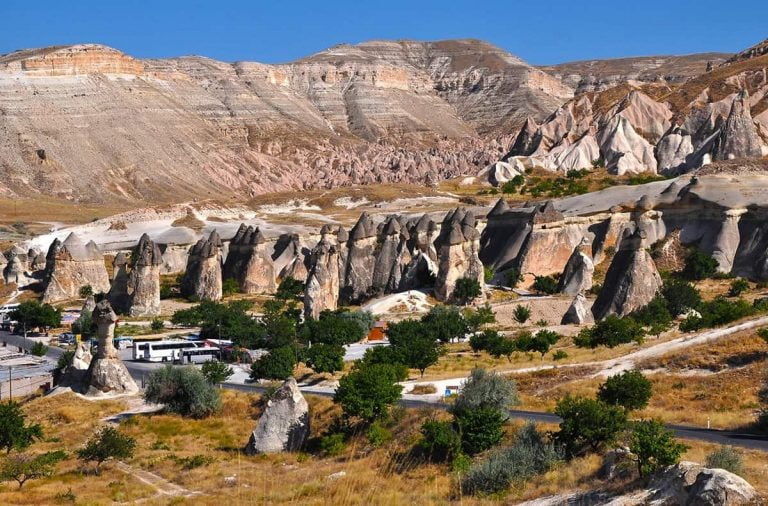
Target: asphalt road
{"type": "Point", "coordinates": [139, 370]}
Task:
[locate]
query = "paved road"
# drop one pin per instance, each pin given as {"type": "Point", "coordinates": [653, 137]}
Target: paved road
{"type": "Point", "coordinates": [724, 437]}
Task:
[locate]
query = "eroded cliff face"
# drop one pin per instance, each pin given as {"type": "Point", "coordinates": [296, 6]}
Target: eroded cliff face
{"type": "Point", "coordinates": [72, 265]}
{"type": "Point", "coordinates": [203, 279]}
{"type": "Point", "coordinates": [88, 122]}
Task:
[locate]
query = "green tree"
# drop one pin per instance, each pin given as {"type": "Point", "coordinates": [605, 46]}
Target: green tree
{"type": "Point", "coordinates": [183, 390]}
{"type": "Point", "coordinates": [332, 328]}
{"type": "Point", "coordinates": [513, 277]}
{"type": "Point", "coordinates": [38, 349]}
{"type": "Point", "coordinates": [480, 428]}
{"type": "Point", "coordinates": [108, 443]}
{"type": "Point", "coordinates": [699, 265]}
{"type": "Point", "coordinates": [654, 446]}
{"type": "Point", "coordinates": [32, 314]}
{"type": "Point", "coordinates": [540, 342]}
{"type": "Point", "coordinates": [487, 274]}
{"type": "Point", "coordinates": [545, 284]}
{"type": "Point", "coordinates": [680, 296]}
{"type": "Point", "coordinates": [289, 289]}
{"type": "Point", "coordinates": [476, 318]}
{"type": "Point", "coordinates": [738, 286]}
{"type": "Point", "coordinates": [611, 332]}
{"type": "Point", "coordinates": [385, 355]}
{"type": "Point", "coordinates": [229, 287]}
{"type": "Point", "coordinates": [225, 321]}
{"type": "Point", "coordinates": [654, 314]}
{"type": "Point", "coordinates": [216, 372]}
{"type": "Point", "coordinates": [15, 433]}
{"type": "Point", "coordinates": [479, 341]}
{"type": "Point", "coordinates": [367, 392]}
{"type": "Point", "coordinates": [630, 390]}
{"type": "Point", "coordinates": [521, 313]}
{"type": "Point", "coordinates": [278, 364]}
{"type": "Point", "coordinates": [499, 346]}
{"type": "Point", "coordinates": [325, 357]}
{"type": "Point", "coordinates": [587, 424]}
{"type": "Point", "coordinates": [22, 468]}
{"type": "Point", "coordinates": [466, 290]}
{"type": "Point", "coordinates": [414, 344]}
{"type": "Point", "coordinates": [439, 442]}
{"type": "Point", "coordinates": [445, 324]}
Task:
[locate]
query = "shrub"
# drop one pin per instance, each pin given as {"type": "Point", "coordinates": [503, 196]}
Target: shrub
{"type": "Point", "coordinates": [22, 468]}
{"type": "Point", "coordinates": [368, 391]}
{"type": "Point", "coordinates": [654, 446]}
{"type": "Point", "coordinates": [108, 443]}
{"type": "Point", "coordinates": [559, 355]}
{"type": "Point", "coordinates": [486, 389]}
{"type": "Point", "coordinates": [513, 277]}
{"type": "Point", "coordinates": [325, 358]}
{"type": "Point", "coordinates": [587, 424]}
{"type": "Point", "coordinates": [480, 428]}
{"type": "Point", "coordinates": [611, 331]}
{"type": "Point", "coordinates": [157, 324]}
{"type": "Point", "coordinates": [726, 457]}
{"type": "Point", "coordinates": [15, 433]}
{"type": "Point", "coordinates": [332, 445]}
{"type": "Point", "coordinates": [680, 296]}
{"type": "Point", "coordinates": [278, 364]}
{"type": "Point", "coordinates": [183, 390]}
{"type": "Point", "coordinates": [476, 318]}
{"type": "Point", "coordinates": [85, 291]}
{"type": "Point", "coordinates": [545, 284]}
{"type": "Point", "coordinates": [439, 442]}
{"type": "Point", "coordinates": [195, 461]}
{"type": "Point", "coordinates": [38, 349]}
{"type": "Point", "coordinates": [763, 334]}
{"type": "Point", "coordinates": [216, 372]}
{"type": "Point", "coordinates": [487, 274]}
{"type": "Point", "coordinates": [466, 290]}
{"type": "Point", "coordinates": [529, 456]}
{"type": "Point", "coordinates": [521, 313]}
{"type": "Point", "coordinates": [738, 286]}
{"type": "Point", "coordinates": [630, 390]}
{"type": "Point", "coordinates": [699, 265]}
{"type": "Point", "coordinates": [377, 434]}
{"type": "Point", "coordinates": [229, 287]}
{"type": "Point", "coordinates": [653, 314]}
{"type": "Point", "coordinates": [289, 289]}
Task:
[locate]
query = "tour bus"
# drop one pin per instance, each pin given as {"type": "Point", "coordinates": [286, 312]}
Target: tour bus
{"type": "Point", "coordinates": [173, 351]}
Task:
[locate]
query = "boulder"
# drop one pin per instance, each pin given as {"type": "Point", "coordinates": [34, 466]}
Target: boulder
{"type": "Point", "coordinates": [284, 425]}
{"type": "Point", "coordinates": [688, 483]}
{"type": "Point", "coordinates": [249, 262]}
{"type": "Point", "coordinates": [631, 281]}
{"type": "Point", "coordinates": [202, 279]}
{"type": "Point", "coordinates": [322, 288]}
{"type": "Point", "coordinates": [578, 312]}
{"type": "Point", "coordinates": [577, 276]}
{"type": "Point", "coordinates": [458, 247]}
{"type": "Point", "coordinates": [107, 374]}
{"type": "Point", "coordinates": [70, 266]}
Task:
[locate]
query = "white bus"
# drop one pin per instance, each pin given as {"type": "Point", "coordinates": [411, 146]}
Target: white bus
{"type": "Point", "coordinates": [173, 351]}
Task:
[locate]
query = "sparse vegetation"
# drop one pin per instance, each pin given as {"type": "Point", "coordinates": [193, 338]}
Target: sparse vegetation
{"type": "Point", "coordinates": [108, 443]}
{"type": "Point", "coordinates": [521, 313]}
{"type": "Point", "coordinates": [726, 457]}
{"type": "Point", "coordinates": [183, 390]}
{"type": "Point", "coordinates": [545, 284]}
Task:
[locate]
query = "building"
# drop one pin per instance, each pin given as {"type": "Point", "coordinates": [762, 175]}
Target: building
{"type": "Point", "coordinates": [378, 332]}
{"type": "Point", "coordinates": [22, 375]}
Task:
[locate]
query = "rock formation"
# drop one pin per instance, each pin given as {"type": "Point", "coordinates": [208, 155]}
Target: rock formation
{"type": "Point", "coordinates": [15, 270]}
{"type": "Point", "coordinates": [118, 290]}
{"type": "Point", "coordinates": [107, 373]}
{"type": "Point", "coordinates": [202, 278]}
{"type": "Point", "coordinates": [284, 425]}
{"type": "Point", "coordinates": [249, 262]}
{"type": "Point", "coordinates": [392, 255]}
{"type": "Point", "coordinates": [577, 276]}
{"type": "Point", "coordinates": [143, 288]}
{"type": "Point", "coordinates": [738, 136]}
{"type": "Point", "coordinates": [72, 265]}
{"type": "Point", "coordinates": [422, 269]}
{"type": "Point", "coordinates": [322, 289]}
{"type": "Point", "coordinates": [578, 312]}
{"type": "Point", "coordinates": [631, 281]}
{"type": "Point", "coordinates": [690, 483]}
{"type": "Point", "coordinates": [361, 259]}
{"type": "Point", "coordinates": [458, 246]}
{"type": "Point", "coordinates": [288, 258]}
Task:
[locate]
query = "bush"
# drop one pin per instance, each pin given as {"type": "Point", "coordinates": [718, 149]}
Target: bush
{"type": "Point", "coordinates": [332, 445]}
{"type": "Point", "coordinates": [15, 433]}
{"type": "Point", "coordinates": [654, 314]}
{"type": "Point", "coordinates": [529, 456]}
{"type": "Point", "coordinates": [439, 442]}
{"type": "Point", "coordinates": [466, 290]}
{"type": "Point", "coordinates": [763, 334]}
{"type": "Point", "coordinates": [385, 355]}
{"type": "Point", "coordinates": [38, 349]}
{"type": "Point", "coordinates": [738, 286]}
{"type": "Point", "coordinates": [195, 461]}
{"type": "Point", "coordinates": [229, 287]}
{"type": "Point", "coordinates": [108, 443]}
{"type": "Point", "coordinates": [513, 277]}
{"type": "Point", "coordinates": [699, 265]}
{"type": "Point", "coordinates": [721, 311]}
{"type": "Point", "coordinates": [325, 358]}
{"type": "Point", "coordinates": [183, 390]}
{"type": "Point", "coordinates": [216, 372]}
{"type": "Point", "coordinates": [545, 284]}
{"type": "Point", "coordinates": [521, 313]}
{"type": "Point", "coordinates": [654, 446]}
{"type": "Point", "coordinates": [680, 296]}
{"type": "Point", "coordinates": [487, 274]}
{"type": "Point", "coordinates": [480, 428]}
{"type": "Point", "coordinates": [476, 318]}
{"type": "Point", "coordinates": [726, 457]}
{"type": "Point", "coordinates": [559, 355]}
{"type": "Point", "coordinates": [630, 390]}
{"type": "Point", "coordinates": [611, 331]}
{"type": "Point", "coordinates": [368, 391]}
{"type": "Point", "coordinates": [278, 364]}
{"type": "Point", "coordinates": [85, 291]}
{"type": "Point", "coordinates": [289, 289]}
{"type": "Point", "coordinates": [157, 324]}
{"type": "Point", "coordinates": [486, 389]}
{"type": "Point", "coordinates": [377, 434]}
{"type": "Point", "coordinates": [587, 424]}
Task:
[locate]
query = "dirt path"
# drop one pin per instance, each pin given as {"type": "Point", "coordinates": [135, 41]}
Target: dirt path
{"type": "Point", "coordinates": [163, 486]}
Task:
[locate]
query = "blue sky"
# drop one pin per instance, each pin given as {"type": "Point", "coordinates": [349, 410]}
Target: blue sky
{"type": "Point", "coordinates": [272, 31]}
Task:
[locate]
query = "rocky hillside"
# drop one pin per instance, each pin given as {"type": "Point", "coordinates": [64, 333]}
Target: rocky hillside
{"type": "Point", "coordinates": [599, 75]}
{"type": "Point", "coordinates": [90, 123]}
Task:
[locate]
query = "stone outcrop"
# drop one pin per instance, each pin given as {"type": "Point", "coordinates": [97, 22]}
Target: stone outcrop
{"type": "Point", "coordinates": [458, 247]}
{"type": "Point", "coordinates": [284, 425]}
{"type": "Point", "coordinates": [118, 290]}
{"type": "Point", "coordinates": [392, 255]}
{"type": "Point", "coordinates": [16, 266]}
{"type": "Point", "coordinates": [691, 484]}
{"type": "Point", "coordinates": [321, 291]}
{"type": "Point", "coordinates": [70, 266]}
{"type": "Point", "coordinates": [738, 135]}
{"type": "Point", "coordinates": [289, 257]}
{"type": "Point", "coordinates": [577, 276]}
{"type": "Point", "coordinates": [107, 374]}
{"type": "Point", "coordinates": [249, 262]}
{"type": "Point", "coordinates": [143, 288]}
{"type": "Point", "coordinates": [422, 269]}
{"type": "Point", "coordinates": [361, 259]}
{"type": "Point", "coordinates": [202, 279]}
{"type": "Point", "coordinates": [631, 281]}
{"type": "Point", "coordinates": [578, 312]}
